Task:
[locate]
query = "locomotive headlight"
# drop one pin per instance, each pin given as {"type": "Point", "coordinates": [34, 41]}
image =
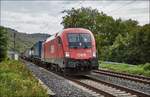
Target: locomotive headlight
{"type": "Point", "coordinates": [94, 54]}
{"type": "Point", "coordinates": [67, 54]}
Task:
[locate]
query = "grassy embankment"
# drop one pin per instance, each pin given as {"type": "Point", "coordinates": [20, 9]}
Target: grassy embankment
{"type": "Point", "coordinates": [143, 69]}
{"type": "Point", "coordinates": [17, 81]}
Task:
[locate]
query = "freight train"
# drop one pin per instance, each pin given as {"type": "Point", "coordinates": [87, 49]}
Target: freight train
{"type": "Point", "coordinates": [71, 51]}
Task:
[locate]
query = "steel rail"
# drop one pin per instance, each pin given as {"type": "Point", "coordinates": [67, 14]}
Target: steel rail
{"type": "Point", "coordinates": [132, 91]}
{"type": "Point", "coordinates": [125, 74]}
{"type": "Point", "coordinates": [121, 76]}
{"type": "Point", "coordinates": [106, 94]}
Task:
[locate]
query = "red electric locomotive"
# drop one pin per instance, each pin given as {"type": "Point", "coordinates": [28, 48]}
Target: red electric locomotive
{"type": "Point", "coordinates": [71, 51]}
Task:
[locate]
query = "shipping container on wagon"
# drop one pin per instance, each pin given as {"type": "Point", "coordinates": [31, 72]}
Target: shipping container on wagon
{"type": "Point", "coordinates": [37, 49]}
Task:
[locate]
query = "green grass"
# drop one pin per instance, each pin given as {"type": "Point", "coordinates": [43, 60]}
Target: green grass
{"type": "Point", "coordinates": [143, 69]}
{"type": "Point", "coordinates": [17, 81]}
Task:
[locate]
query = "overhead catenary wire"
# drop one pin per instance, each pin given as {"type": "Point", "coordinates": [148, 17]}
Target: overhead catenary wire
{"type": "Point", "coordinates": [122, 6]}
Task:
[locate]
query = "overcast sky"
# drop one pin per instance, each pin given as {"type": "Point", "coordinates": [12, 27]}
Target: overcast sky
{"type": "Point", "coordinates": [45, 16]}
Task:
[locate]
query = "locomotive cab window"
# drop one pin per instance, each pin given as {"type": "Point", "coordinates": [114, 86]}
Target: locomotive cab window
{"type": "Point", "coordinates": [85, 37]}
{"type": "Point", "coordinates": [79, 40]}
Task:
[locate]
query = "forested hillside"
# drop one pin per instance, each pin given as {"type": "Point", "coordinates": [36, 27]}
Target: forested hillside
{"type": "Point", "coordinates": [22, 40]}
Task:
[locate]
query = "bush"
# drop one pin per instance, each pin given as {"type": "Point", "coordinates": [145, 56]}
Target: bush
{"type": "Point", "coordinates": [147, 66]}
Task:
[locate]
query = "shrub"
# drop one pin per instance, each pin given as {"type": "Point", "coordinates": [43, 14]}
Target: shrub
{"type": "Point", "coordinates": [146, 66]}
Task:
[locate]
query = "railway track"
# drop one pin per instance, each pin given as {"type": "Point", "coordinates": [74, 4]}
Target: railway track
{"type": "Point", "coordinates": [80, 82]}
{"type": "Point", "coordinates": [134, 93]}
{"type": "Point", "coordinates": [102, 88]}
{"type": "Point", "coordinates": [140, 79]}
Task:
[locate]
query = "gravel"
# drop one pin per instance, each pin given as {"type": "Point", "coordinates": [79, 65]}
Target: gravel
{"type": "Point", "coordinates": [59, 85]}
{"type": "Point", "coordinates": [127, 83]}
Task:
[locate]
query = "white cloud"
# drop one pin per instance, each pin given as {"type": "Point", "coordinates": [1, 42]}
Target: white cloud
{"type": "Point", "coordinates": [25, 22]}
{"type": "Point", "coordinates": [46, 16]}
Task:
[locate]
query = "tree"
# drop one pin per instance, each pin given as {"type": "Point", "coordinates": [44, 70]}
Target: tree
{"type": "Point", "coordinates": [141, 44]}
{"type": "Point", "coordinates": [99, 23]}
{"type": "Point", "coordinates": [133, 48]}
{"type": "Point", "coordinates": [3, 43]}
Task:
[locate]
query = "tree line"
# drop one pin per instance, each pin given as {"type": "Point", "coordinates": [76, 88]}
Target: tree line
{"type": "Point", "coordinates": [117, 40]}
{"type": "Point", "coordinates": [3, 43]}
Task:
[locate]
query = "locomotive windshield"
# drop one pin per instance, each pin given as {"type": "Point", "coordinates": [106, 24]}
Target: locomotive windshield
{"type": "Point", "coordinates": [82, 40]}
